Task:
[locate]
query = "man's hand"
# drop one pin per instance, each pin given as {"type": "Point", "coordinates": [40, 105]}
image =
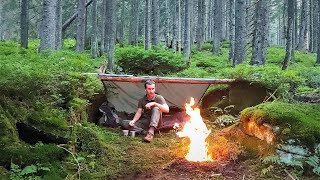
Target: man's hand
{"type": "Point", "coordinates": [131, 123]}
{"type": "Point", "coordinates": [150, 104]}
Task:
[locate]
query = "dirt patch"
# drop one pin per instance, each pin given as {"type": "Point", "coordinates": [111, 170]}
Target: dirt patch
{"type": "Point", "coordinates": [183, 169]}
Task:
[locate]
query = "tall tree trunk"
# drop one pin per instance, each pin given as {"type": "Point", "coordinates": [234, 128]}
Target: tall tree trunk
{"type": "Point", "coordinates": [147, 43]}
{"type": "Point", "coordinates": [112, 34]}
{"type": "Point", "coordinates": [187, 26]}
{"type": "Point", "coordinates": [231, 28]}
{"type": "Point", "coordinates": [94, 40]}
{"type": "Point", "coordinates": [59, 25]}
{"type": "Point", "coordinates": [179, 28]}
{"type": "Point", "coordinates": [121, 29]}
{"type": "Point", "coordinates": [167, 24]}
{"type": "Point", "coordinates": [295, 38]}
{"type": "Point", "coordinates": [103, 26]}
{"type": "Point", "coordinates": [81, 26]}
{"type": "Point", "coordinates": [315, 26]}
{"type": "Point", "coordinates": [1, 22]}
{"type": "Point", "coordinates": [240, 23]}
{"type": "Point", "coordinates": [310, 25]}
{"type": "Point", "coordinates": [48, 26]}
{"type": "Point", "coordinates": [174, 24]}
{"type": "Point", "coordinates": [289, 43]}
{"type": "Point", "coordinates": [260, 33]}
{"type": "Point", "coordinates": [134, 13]}
{"type": "Point", "coordinates": [200, 27]}
{"type": "Point", "coordinates": [155, 22]}
{"type": "Point", "coordinates": [318, 47]}
{"type": "Point", "coordinates": [217, 26]}
{"type": "Point", "coordinates": [303, 26]}
{"type": "Point", "coordinates": [24, 27]}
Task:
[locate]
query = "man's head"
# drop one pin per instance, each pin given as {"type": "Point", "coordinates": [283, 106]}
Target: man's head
{"type": "Point", "coordinates": [150, 88]}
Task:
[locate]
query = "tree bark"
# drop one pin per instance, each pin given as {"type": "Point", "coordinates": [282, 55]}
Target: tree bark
{"type": "Point", "coordinates": [112, 34]}
{"type": "Point", "coordinates": [318, 47]}
{"type": "Point", "coordinates": [147, 43]}
{"type": "Point", "coordinates": [59, 25]}
{"type": "Point", "coordinates": [121, 28]}
{"type": "Point", "coordinates": [289, 37]}
{"type": "Point", "coordinates": [24, 23]}
{"type": "Point", "coordinates": [303, 26]}
{"type": "Point", "coordinates": [48, 26]}
{"type": "Point", "coordinates": [260, 33]}
{"type": "Point", "coordinates": [217, 26]}
{"type": "Point", "coordinates": [103, 26]}
{"type": "Point", "coordinates": [231, 28]}
{"type": "Point", "coordinates": [240, 23]}
{"type": "Point", "coordinates": [200, 27]}
{"type": "Point", "coordinates": [179, 28]}
{"type": "Point", "coordinates": [155, 22]}
{"type": "Point", "coordinates": [187, 26]}
{"type": "Point", "coordinates": [94, 40]}
{"type": "Point", "coordinates": [81, 26]}
{"type": "Point", "coordinates": [134, 13]}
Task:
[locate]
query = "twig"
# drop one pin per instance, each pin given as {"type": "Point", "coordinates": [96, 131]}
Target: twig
{"type": "Point", "coordinates": [79, 169]}
{"type": "Point", "coordinates": [293, 178]}
{"type": "Point", "coordinates": [271, 95]}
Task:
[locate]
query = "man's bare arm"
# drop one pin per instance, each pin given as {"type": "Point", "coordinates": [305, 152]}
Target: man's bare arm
{"type": "Point", "coordinates": [136, 117]}
{"type": "Point", "coordinates": [163, 107]}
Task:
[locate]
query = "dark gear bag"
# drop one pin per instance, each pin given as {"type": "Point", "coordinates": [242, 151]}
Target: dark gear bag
{"type": "Point", "coordinates": [109, 117]}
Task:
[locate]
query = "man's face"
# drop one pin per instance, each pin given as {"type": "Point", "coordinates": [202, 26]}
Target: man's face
{"type": "Point", "coordinates": [150, 90]}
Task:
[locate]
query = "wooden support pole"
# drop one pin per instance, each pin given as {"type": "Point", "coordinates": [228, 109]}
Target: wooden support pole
{"type": "Point", "coordinates": [136, 79]}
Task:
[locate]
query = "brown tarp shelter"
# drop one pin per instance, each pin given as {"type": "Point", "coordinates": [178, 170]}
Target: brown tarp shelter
{"type": "Point", "coordinates": [124, 91]}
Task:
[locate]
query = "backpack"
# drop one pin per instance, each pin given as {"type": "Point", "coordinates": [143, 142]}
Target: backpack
{"type": "Point", "coordinates": [109, 117]}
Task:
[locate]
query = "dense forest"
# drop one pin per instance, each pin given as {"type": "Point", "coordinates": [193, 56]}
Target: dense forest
{"type": "Point", "coordinates": [52, 50]}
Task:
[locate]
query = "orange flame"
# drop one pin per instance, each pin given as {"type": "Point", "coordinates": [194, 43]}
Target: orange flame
{"type": "Point", "coordinates": [196, 130]}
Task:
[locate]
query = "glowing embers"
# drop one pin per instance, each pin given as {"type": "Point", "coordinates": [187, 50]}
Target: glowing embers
{"type": "Point", "coordinates": [196, 130]}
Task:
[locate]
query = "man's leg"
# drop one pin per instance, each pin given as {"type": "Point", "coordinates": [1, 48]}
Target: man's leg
{"type": "Point", "coordinates": [154, 121]}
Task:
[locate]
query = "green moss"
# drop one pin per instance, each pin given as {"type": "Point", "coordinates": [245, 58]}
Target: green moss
{"type": "Point", "coordinates": [27, 154]}
{"type": "Point", "coordinates": [296, 120]}
{"type": "Point", "coordinates": [8, 130]}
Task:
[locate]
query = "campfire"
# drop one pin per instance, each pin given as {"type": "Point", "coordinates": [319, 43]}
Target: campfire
{"type": "Point", "coordinates": [196, 130]}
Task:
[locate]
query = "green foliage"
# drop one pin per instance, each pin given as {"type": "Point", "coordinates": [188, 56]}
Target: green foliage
{"type": "Point", "coordinates": [297, 120]}
{"type": "Point", "coordinates": [314, 161]}
{"type": "Point", "coordinates": [136, 60]}
{"type": "Point", "coordinates": [29, 172]}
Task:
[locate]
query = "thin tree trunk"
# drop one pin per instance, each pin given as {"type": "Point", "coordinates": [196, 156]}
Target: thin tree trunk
{"type": "Point", "coordinates": [315, 27]}
{"type": "Point", "coordinates": [240, 23]}
{"type": "Point", "coordinates": [217, 26]}
{"type": "Point", "coordinates": [122, 23]}
{"type": "Point", "coordinates": [155, 22]}
{"type": "Point", "coordinates": [200, 27]}
{"type": "Point", "coordinates": [187, 26]}
{"type": "Point", "coordinates": [318, 47]}
{"type": "Point", "coordinates": [133, 35]}
{"type": "Point", "coordinates": [179, 30]}
{"type": "Point", "coordinates": [59, 25]}
{"type": "Point", "coordinates": [94, 40]}
{"type": "Point", "coordinates": [48, 26]}
{"type": "Point", "coordinates": [174, 24]}
{"type": "Point", "coordinates": [303, 26]}
{"type": "Point", "coordinates": [81, 26]}
{"type": "Point", "coordinates": [24, 19]}
{"type": "Point", "coordinates": [103, 26]}
{"type": "Point", "coordinates": [231, 28]}
{"type": "Point", "coordinates": [112, 34]}
{"type": "Point", "coordinates": [147, 43]}
{"type": "Point", "coordinates": [289, 43]}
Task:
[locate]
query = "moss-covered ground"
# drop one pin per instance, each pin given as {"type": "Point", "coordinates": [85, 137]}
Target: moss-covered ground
{"type": "Point", "coordinates": [52, 93]}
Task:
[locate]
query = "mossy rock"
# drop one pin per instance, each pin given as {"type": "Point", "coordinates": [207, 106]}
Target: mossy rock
{"type": "Point", "coordinates": [8, 131]}
{"type": "Point", "coordinates": [297, 121]}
